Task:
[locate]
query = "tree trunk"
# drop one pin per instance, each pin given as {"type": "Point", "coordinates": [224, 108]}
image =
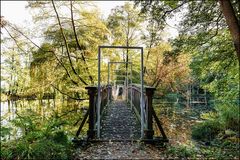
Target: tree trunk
{"type": "Point", "coordinates": [232, 23]}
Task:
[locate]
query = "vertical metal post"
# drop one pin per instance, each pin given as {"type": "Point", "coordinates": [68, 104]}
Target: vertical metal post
{"type": "Point", "coordinates": [142, 101]}
{"type": "Point", "coordinates": [126, 90]}
{"type": "Point", "coordinates": [108, 73]}
{"type": "Point", "coordinates": [99, 96]}
{"type": "Point", "coordinates": [108, 85]}
{"type": "Point", "coordinates": [131, 86]}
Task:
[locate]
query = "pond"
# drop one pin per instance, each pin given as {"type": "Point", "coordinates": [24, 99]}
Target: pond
{"type": "Point", "coordinates": [70, 111]}
{"type": "Point", "coordinates": [177, 120]}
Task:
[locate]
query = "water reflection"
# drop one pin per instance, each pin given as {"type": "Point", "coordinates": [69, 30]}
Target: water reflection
{"type": "Point", "coordinates": [177, 120]}
{"type": "Point", "coordinates": [69, 110]}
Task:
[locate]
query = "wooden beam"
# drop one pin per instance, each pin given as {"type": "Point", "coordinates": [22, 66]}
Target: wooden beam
{"type": "Point", "coordinates": [82, 124]}
{"type": "Point", "coordinates": [159, 124]}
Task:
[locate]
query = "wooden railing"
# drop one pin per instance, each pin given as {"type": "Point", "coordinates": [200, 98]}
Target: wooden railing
{"type": "Point", "coordinates": [149, 113]}
{"type": "Point", "coordinates": [106, 92]}
{"type": "Point", "coordinates": [106, 95]}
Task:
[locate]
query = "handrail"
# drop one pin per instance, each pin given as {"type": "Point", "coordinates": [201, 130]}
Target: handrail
{"type": "Point", "coordinates": [149, 112]}
{"type": "Point", "coordinates": [91, 113]}
{"type": "Point", "coordinates": [134, 96]}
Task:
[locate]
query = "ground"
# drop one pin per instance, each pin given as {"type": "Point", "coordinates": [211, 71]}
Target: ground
{"type": "Point", "coordinates": [119, 123]}
{"type": "Point", "coordinates": [177, 123]}
{"type": "Point", "coordinates": [119, 150]}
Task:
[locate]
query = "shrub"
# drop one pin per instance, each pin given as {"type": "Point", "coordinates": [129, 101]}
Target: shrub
{"type": "Point", "coordinates": [229, 115]}
{"type": "Point", "coordinates": [48, 149]}
{"type": "Point", "coordinates": [206, 131]}
{"type": "Point", "coordinates": [5, 132]}
{"type": "Point", "coordinates": [40, 139]}
{"type": "Point", "coordinates": [181, 151]}
{"type": "Point", "coordinates": [43, 148]}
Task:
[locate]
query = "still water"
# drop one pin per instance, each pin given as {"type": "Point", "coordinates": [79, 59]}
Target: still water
{"type": "Point", "coordinates": [68, 110]}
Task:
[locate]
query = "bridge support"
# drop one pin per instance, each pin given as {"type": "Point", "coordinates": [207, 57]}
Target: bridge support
{"type": "Point", "coordinates": [148, 133]}
{"type": "Point", "coordinates": [92, 94]}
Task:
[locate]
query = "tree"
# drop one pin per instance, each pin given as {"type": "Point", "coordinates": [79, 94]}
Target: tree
{"type": "Point", "coordinates": [74, 37]}
{"type": "Point", "coordinates": [167, 73]}
{"type": "Point", "coordinates": [198, 16]}
{"type": "Point", "coordinates": [69, 43]}
{"type": "Point", "coordinates": [218, 74]}
{"type": "Point", "coordinates": [125, 24]}
{"type": "Point", "coordinates": [15, 60]}
{"type": "Point", "coordinates": [232, 22]}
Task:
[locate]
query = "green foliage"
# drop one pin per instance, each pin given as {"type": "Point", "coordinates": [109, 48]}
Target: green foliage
{"type": "Point", "coordinates": [157, 9]}
{"type": "Point", "coordinates": [124, 22]}
{"type": "Point", "coordinates": [221, 150]}
{"type": "Point", "coordinates": [220, 128]}
{"type": "Point", "coordinates": [217, 71]}
{"type": "Point", "coordinates": [229, 115]}
{"type": "Point", "coordinates": [5, 131]}
{"type": "Point", "coordinates": [42, 55]}
{"type": "Point", "coordinates": [38, 149]}
{"type": "Point", "coordinates": [206, 131]}
{"type": "Point", "coordinates": [181, 151]}
{"type": "Point", "coordinates": [41, 139]}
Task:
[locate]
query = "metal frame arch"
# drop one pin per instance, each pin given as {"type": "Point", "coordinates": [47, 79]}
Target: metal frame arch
{"type": "Point", "coordinates": [99, 86]}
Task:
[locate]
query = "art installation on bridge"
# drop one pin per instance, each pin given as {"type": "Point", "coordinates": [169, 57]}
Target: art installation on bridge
{"type": "Point", "coordinates": [121, 110]}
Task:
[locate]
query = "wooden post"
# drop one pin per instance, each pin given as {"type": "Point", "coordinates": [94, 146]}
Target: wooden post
{"type": "Point", "coordinates": [149, 132]}
{"type": "Point", "coordinates": [92, 93]}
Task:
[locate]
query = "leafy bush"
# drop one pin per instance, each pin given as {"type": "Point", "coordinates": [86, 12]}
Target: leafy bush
{"type": "Point", "coordinates": [40, 139]}
{"type": "Point", "coordinates": [5, 131]}
{"type": "Point", "coordinates": [229, 115]}
{"type": "Point", "coordinates": [40, 149]}
{"type": "Point", "coordinates": [206, 131]}
{"type": "Point", "coordinates": [48, 149]}
{"type": "Point", "coordinates": [181, 151]}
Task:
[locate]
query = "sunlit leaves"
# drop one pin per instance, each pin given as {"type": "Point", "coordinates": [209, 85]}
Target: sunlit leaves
{"type": "Point", "coordinates": [167, 70]}
{"type": "Point", "coordinates": [124, 22]}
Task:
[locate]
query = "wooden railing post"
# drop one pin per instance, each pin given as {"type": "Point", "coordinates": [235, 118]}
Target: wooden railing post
{"type": "Point", "coordinates": [149, 132]}
{"type": "Point", "coordinates": [92, 91]}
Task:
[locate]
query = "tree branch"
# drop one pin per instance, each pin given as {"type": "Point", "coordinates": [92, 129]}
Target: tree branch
{"type": "Point", "coordinates": [170, 11]}
{"type": "Point", "coordinates": [15, 40]}
{"type": "Point", "coordinates": [74, 82]}
{"type": "Point", "coordinates": [66, 44]}
{"type": "Point", "coordinates": [78, 45]}
{"type": "Point", "coordinates": [79, 99]}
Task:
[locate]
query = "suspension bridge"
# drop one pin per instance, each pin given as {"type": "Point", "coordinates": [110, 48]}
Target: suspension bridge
{"type": "Point", "coordinates": [121, 111]}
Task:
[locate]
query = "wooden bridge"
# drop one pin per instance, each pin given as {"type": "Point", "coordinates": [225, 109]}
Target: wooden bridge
{"type": "Point", "coordinates": [120, 120]}
{"type": "Point", "coordinates": [128, 118]}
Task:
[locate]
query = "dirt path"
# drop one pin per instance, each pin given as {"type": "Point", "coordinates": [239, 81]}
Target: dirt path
{"type": "Point", "coordinates": [119, 150]}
